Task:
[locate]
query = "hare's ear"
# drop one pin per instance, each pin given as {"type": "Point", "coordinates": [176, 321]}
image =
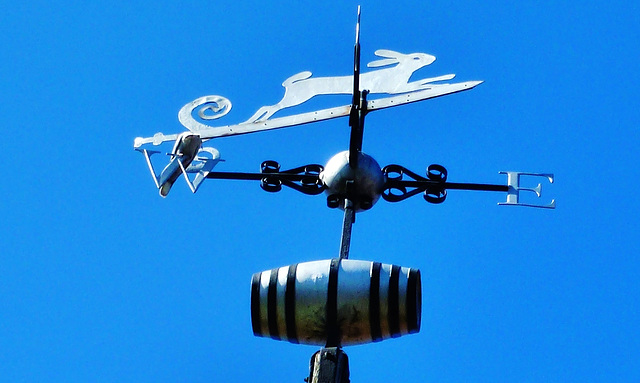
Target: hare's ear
{"type": "Point", "coordinates": [387, 53]}
{"type": "Point", "coordinates": [383, 62]}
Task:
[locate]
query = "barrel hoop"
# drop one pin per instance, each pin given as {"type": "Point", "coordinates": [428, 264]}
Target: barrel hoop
{"type": "Point", "coordinates": [413, 319]}
{"type": "Point", "coordinates": [333, 335]}
{"type": "Point", "coordinates": [374, 302]}
{"type": "Point", "coordinates": [394, 302]}
{"type": "Point", "coordinates": [255, 304]}
{"type": "Point", "coordinates": [290, 304]}
{"type": "Point", "coordinates": [272, 301]}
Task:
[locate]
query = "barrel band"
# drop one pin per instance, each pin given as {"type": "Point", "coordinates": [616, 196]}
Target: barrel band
{"type": "Point", "coordinates": [290, 304]}
{"type": "Point", "coordinates": [255, 304]}
{"type": "Point", "coordinates": [394, 302]}
{"type": "Point", "coordinates": [272, 301]}
{"type": "Point", "coordinates": [374, 302]}
{"type": "Point", "coordinates": [333, 335]}
{"type": "Point", "coordinates": [413, 306]}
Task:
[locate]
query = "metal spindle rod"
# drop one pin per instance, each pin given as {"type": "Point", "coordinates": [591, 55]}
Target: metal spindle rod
{"type": "Point", "coordinates": [347, 223]}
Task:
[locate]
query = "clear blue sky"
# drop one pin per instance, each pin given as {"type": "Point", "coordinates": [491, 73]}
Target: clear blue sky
{"type": "Point", "coordinates": [101, 280]}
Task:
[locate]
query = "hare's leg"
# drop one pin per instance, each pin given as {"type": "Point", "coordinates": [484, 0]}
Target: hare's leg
{"type": "Point", "coordinates": [262, 114]}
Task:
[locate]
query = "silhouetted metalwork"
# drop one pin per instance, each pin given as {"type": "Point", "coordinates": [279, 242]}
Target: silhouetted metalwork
{"type": "Point", "coordinates": [303, 179]}
{"type": "Point", "coordinates": [400, 183]}
{"type": "Point", "coordinates": [337, 301]}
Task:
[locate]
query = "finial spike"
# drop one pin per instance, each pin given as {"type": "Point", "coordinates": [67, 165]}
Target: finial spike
{"type": "Point", "coordinates": [358, 27]}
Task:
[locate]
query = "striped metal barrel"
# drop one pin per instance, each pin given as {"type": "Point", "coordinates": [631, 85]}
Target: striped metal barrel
{"type": "Point", "coordinates": [336, 302]}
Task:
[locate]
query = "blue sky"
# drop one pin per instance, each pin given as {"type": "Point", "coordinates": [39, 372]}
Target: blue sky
{"type": "Point", "coordinates": [104, 281]}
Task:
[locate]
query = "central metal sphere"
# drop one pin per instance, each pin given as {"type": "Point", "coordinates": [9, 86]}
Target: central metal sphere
{"type": "Point", "coordinates": [362, 184]}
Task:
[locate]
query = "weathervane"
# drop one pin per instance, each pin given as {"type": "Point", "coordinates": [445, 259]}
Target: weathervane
{"type": "Point", "coordinates": [339, 301]}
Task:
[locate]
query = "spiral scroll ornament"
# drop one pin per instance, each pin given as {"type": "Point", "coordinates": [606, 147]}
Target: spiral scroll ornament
{"type": "Point", "coordinates": [206, 108]}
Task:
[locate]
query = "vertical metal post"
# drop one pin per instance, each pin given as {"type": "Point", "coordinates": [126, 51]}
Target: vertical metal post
{"type": "Point", "coordinates": [329, 365]}
{"type": "Point", "coordinates": [356, 121]}
{"type": "Point", "coordinates": [347, 223]}
{"type": "Point", "coordinates": [358, 105]}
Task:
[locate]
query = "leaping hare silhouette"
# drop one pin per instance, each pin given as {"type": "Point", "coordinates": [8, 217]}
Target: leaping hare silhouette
{"type": "Point", "coordinates": [393, 79]}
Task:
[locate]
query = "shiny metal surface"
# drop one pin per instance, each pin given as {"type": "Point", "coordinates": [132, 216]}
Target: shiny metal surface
{"type": "Point", "coordinates": [207, 107]}
{"type": "Point", "coordinates": [368, 180]}
{"type": "Point", "coordinates": [513, 195]}
{"type": "Point", "coordinates": [184, 150]}
{"type": "Point", "coordinates": [392, 78]}
{"type": "Point", "coordinates": [365, 305]}
{"type": "Point", "coordinates": [187, 156]}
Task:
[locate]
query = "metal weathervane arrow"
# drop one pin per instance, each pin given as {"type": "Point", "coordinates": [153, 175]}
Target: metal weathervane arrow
{"type": "Point", "coordinates": [353, 182]}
